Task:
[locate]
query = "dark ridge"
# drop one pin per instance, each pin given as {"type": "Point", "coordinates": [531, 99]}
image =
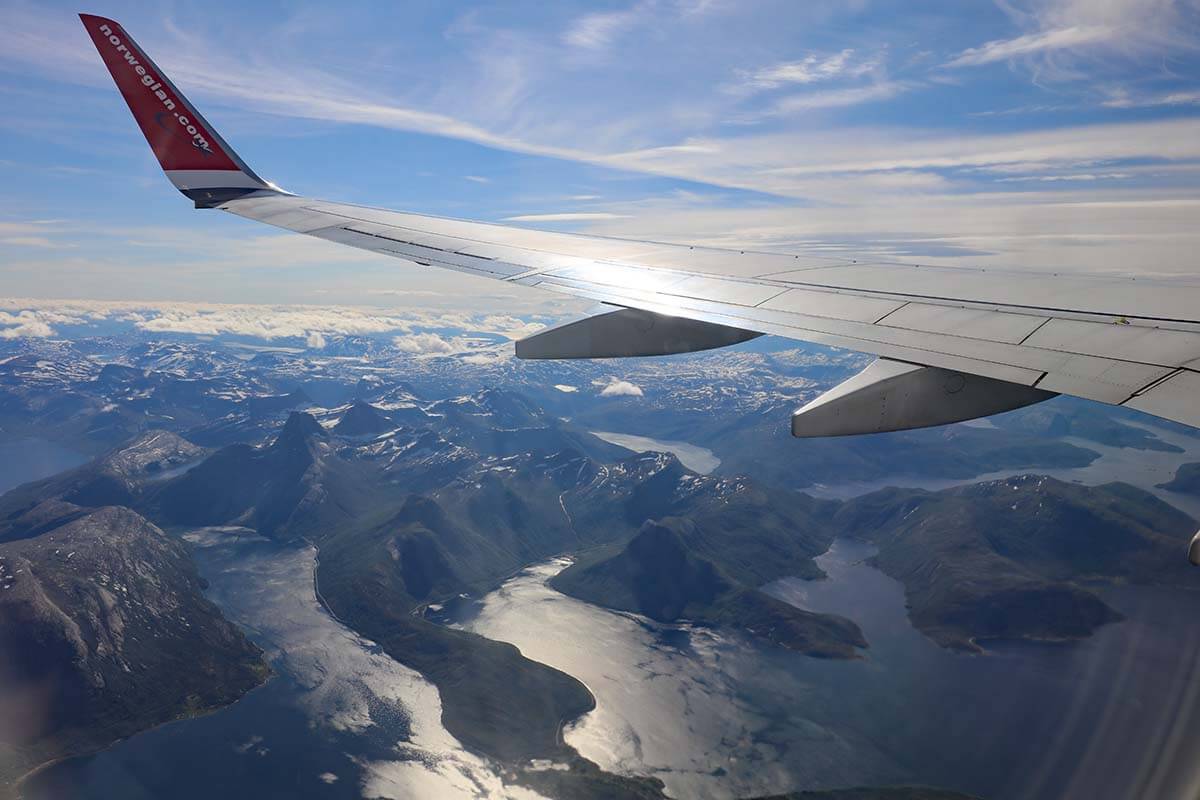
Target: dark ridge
{"type": "Point", "coordinates": [660, 575]}
{"type": "Point", "coordinates": [301, 426]}
{"type": "Point", "coordinates": [1186, 480]}
{"type": "Point", "coordinates": [1016, 558]}
{"type": "Point", "coordinates": [362, 419]}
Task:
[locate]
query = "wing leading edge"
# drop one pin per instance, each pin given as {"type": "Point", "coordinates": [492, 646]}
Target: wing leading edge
{"type": "Point", "coordinates": [960, 342]}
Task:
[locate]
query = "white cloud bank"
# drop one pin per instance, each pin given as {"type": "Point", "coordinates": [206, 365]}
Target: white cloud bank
{"type": "Point", "coordinates": [24, 324]}
{"type": "Point", "coordinates": [270, 322]}
{"type": "Point", "coordinates": [27, 317]}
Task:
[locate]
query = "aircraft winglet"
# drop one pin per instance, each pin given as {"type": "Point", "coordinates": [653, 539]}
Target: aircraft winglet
{"type": "Point", "coordinates": [193, 155]}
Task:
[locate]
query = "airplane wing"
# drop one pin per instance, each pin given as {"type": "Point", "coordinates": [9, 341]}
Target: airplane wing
{"type": "Point", "coordinates": [954, 342]}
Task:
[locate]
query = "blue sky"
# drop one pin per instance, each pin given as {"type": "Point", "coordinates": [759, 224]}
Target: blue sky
{"type": "Point", "coordinates": [1047, 133]}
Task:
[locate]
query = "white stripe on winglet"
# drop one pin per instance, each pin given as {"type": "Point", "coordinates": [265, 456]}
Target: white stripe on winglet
{"type": "Point", "coordinates": [211, 179]}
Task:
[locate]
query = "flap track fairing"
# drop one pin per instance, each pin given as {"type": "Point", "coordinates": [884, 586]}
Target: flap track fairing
{"type": "Point", "coordinates": [895, 396]}
{"type": "Point", "coordinates": [629, 332]}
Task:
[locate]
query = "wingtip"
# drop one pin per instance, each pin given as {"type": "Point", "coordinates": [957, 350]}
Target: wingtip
{"type": "Point", "coordinates": [94, 21]}
{"type": "Point", "coordinates": [196, 159]}
{"type": "Point", "coordinates": [83, 15]}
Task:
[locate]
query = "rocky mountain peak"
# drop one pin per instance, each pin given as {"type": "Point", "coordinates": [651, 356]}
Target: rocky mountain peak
{"type": "Point", "coordinates": [422, 510]}
{"type": "Point", "coordinates": [149, 454]}
{"type": "Point", "coordinates": [300, 427]}
{"type": "Point", "coordinates": [362, 419]}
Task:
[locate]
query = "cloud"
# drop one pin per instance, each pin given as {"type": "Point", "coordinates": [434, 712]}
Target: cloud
{"type": "Point", "coordinates": [567, 216]}
{"type": "Point", "coordinates": [620, 388]}
{"type": "Point", "coordinates": [488, 356]}
{"type": "Point", "coordinates": [424, 344]}
{"type": "Point", "coordinates": [1003, 49]}
{"type": "Point", "coordinates": [403, 293]}
{"type": "Point", "coordinates": [252, 745]}
{"type": "Point", "coordinates": [308, 323]}
{"type": "Point", "coordinates": [802, 164]}
{"type": "Point", "coordinates": [477, 179]}
{"type": "Point", "coordinates": [839, 98]}
{"type": "Point", "coordinates": [866, 151]}
{"type": "Point", "coordinates": [565, 388]}
{"type": "Point", "coordinates": [1123, 99]}
{"type": "Point", "coordinates": [843, 67]}
{"type": "Point", "coordinates": [507, 326]}
{"type": "Point", "coordinates": [33, 320]}
{"type": "Point", "coordinates": [1077, 176]}
{"type": "Point", "coordinates": [1090, 227]}
{"type": "Point", "coordinates": [269, 322]}
{"type": "Point", "coordinates": [813, 68]}
{"type": "Point", "coordinates": [1062, 34]}
{"type": "Point", "coordinates": [597, 31]}
{"type": "Point", "coordinates": [30, 241]}
{"type": "Point", "coordinates": [39, 234]}
{"type": "Point", "coordinates": [25, 324]}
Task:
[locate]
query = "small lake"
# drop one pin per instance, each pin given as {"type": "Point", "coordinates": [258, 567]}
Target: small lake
{"type": "Point", "coordinates": [696, 458]}
{"type": "Point", "coordinates": [716, 715]}
{"type": "Point", "coordinates": [26, 460]}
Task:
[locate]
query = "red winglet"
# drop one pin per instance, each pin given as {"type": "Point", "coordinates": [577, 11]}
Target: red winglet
{"type": "Point", "coordinates": [178, 135]}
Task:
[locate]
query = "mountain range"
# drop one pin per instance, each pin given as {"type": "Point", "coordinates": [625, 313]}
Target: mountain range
{"type": "Point", "coordinates": [417, 497]}
{"type": "Point", "coordinates": [1019, 557]}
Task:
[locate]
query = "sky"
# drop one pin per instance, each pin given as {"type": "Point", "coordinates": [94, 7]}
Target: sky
{"type": "Point", "coordinates": [1055, 134]}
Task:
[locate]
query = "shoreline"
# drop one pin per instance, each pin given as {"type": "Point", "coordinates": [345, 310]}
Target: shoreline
{"type": "Point", "coordinates": [19, 782]}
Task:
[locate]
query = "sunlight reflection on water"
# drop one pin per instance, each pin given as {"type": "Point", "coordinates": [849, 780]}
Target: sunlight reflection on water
{"type": "Point", "coordinates": [717, 716]}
